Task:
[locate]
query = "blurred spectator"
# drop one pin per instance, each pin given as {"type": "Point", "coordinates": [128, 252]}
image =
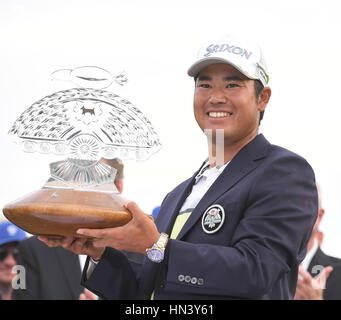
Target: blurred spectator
{"type": "Point", "coordinates": [319, 274]}
{"type": "Point", "coordinates": [155, 211]}
{"type": "Point", "coordinates": [10, 235]}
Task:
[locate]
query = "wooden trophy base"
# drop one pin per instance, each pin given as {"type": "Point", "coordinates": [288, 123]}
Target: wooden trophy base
{"type": "Point", "coordinates": [61, 212]}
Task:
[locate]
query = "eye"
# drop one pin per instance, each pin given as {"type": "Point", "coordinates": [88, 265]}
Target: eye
{"type": "Point", "coordinates": [204, 85]}
{"type": "Point", "coordinates": [232, 85]}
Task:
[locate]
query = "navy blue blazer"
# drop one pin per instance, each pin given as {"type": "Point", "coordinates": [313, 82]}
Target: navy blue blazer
{"type": "Point", "coordinates": [270, 202]}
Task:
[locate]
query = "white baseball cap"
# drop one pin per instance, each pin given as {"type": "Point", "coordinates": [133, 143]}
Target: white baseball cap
{"type": "Point", "coordinates": [245, 56]}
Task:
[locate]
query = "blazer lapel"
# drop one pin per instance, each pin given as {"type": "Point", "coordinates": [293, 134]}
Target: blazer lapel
{"type": "Point", "coordinates": [241, 165]}
{"type": "Point", "coordinates": [165, 221]}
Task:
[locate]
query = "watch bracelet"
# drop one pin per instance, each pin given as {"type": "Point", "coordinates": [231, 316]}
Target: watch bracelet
{"type": "Point", "coordinates": [160, 243]}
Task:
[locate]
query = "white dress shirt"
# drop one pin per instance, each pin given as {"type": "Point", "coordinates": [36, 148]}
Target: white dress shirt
{"type": "Point", "coordinates": [203, 181]}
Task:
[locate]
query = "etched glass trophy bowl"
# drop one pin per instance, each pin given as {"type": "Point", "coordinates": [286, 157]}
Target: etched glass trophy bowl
{"type": "Point", "coordinates": [83, 125]}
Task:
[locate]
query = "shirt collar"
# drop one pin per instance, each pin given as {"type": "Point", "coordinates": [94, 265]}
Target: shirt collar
{"type": "Point", "coordinates": [204, 170]}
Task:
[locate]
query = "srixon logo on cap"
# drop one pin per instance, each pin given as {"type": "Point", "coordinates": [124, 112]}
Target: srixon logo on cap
{"type": "Point", "coordinates": [229, 48]}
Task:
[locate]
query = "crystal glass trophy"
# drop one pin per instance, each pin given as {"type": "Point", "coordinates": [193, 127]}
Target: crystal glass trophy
{"type": "Point", "coordinates": [83, 125]}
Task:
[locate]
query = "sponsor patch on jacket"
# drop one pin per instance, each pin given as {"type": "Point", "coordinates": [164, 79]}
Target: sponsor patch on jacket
{"type": "Point", "coordinates": [213, 218]}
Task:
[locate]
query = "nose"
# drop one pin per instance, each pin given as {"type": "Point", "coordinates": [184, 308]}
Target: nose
{"type": "Point", "coordinates": [217, 97]}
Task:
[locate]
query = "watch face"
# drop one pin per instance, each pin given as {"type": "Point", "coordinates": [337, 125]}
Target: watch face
{"type": "Point", "coordinates": [155, 255]}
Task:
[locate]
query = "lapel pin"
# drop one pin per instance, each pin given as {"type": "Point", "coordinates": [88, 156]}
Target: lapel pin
{"type": "Point", "coordinates": [213, 219]}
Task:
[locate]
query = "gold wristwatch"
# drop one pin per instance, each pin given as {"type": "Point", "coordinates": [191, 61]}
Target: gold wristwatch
{"type": "Point", "coordinates": [157, 252]}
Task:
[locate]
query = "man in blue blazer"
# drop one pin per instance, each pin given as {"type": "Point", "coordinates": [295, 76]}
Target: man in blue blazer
{"type": "Point", "coordinates": [239, 227]}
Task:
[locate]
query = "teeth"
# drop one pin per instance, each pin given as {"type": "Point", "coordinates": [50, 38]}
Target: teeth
{"type": "Point", "coordinates": [219, 114]}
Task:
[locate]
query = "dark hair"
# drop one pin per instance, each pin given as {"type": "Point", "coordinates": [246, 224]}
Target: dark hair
{"type": "Point", "coordinates": [258, 89]}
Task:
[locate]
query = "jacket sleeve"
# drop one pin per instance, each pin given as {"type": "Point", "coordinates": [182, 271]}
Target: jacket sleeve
{"type": "Point", "coordinates": [114, 277]}
{"type": "Point", "coordinates": [269, 240]}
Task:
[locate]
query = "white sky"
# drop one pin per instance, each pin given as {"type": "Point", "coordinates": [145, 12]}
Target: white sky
{"type": "Point", "coordinates": [155, 42]}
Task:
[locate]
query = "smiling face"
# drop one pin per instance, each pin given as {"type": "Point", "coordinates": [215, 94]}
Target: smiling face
{"type": "Point", "coordinates": [225, 99]}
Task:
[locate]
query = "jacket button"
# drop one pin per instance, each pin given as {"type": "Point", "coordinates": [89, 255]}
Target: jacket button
{"type": "Point", "coordinates": [200, 282]}
{"type": "Point", "coordinates": [181, 277]}
{"type": "Point", "coordinates": [188, 279]}
{"type": "Point", "coordinates": [194, 280]}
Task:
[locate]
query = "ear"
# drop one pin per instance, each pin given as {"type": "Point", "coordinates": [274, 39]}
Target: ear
{"type": "Point", "coordinates": [119, 185]}
{"type": "Point", "coordinates": [264, 98]}
{"type": "Point", "coordinates": [320, 215]}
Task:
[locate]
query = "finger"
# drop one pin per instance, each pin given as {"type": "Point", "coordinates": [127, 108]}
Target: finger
{"type": "Point", "coordinates": [89, 295]}
{"type": "Point", "coordinates": [150, 217]}
{"type": "Point", "coordinates": [305, 276]}
{"type": "Point", "coordinates": [66, 242]}
{"type": "Point", "coordinates": [50, 242]}
{"type": "Point", "coordinates": [95, 233]}
{"type": "Point", "coordinates": [78, 245]}
{"type": "Point", "coordinates": [299, 287]}
{"type": "Point", "coordinates": [299, 295]}
{"type": "Point", "coordinates": [101, 243]}
{"type": "Point", "coordinates": [323, 276]}
{"type": "Point", "coordinates": [328, 270]}
{"type": "Point", "coordinates": [43, 239]}
{"type": "Point", "coordinates": [304, 287]}
{"type": "Point", "coordinates": [300, 275]}
{"type": "Point", "coordinates": [82, 296]}
{"type": "Point", "coordinates": [135, 210]}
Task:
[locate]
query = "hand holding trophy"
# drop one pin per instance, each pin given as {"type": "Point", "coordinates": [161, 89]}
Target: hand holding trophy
{"type": "Point", "coordinates": [83, 125]}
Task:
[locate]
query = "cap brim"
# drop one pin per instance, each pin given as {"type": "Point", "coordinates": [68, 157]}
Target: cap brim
{"type": "Point", "coordinates": [194, 70]}
{"type": "Point", "coordinates": [9, 240]}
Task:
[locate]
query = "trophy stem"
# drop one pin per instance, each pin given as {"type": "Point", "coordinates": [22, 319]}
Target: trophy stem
{"type": "Point", "coordinates": [83, 175]}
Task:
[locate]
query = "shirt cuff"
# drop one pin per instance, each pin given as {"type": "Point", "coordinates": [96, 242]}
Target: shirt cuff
{"type": "Point", "coordinates": [91, 267]}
